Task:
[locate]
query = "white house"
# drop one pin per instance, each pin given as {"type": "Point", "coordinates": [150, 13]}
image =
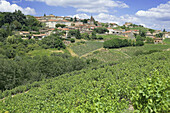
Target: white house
{"type": "Point", "coordinates": [167, 35]}
{"type": "Point", "coordinates": [52, 23]}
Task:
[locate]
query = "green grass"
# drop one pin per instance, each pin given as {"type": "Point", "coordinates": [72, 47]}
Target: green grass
{"type": "Point", "coordinates": [105, 37]}
{"type": "Point", "coordinates": [89, 46]}
{"type": "Point", "coordinates": [167, 41]}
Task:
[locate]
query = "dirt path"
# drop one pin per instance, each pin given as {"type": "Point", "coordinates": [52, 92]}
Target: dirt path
{"type": "Point", "coordinates": [85, 55]}
{"type": "Point", "coordinates": [57, 51]}
{"type": "Point", "coordinates": [123, 53]}
{"type": "Point", "coordinates": [71, 52]}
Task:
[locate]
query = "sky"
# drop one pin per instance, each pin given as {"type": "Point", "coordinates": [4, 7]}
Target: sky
{"type": "Point", "coordinates": [150, 13]}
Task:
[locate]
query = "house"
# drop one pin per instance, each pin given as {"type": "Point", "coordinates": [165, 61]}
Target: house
{"type": "Point", "coordinates": [112, 25]}
{"type": "Point", "coordinates": [78, 23]}
{"type": "Point", "coordinates": [167, 35]}
{"type": "Point", "coordinates": [24, 33]}
{"type": "Point", "coordinates": [39, 36]}
{"type": "Point", "coordinates": [111, 31]}
{"type": "Point", "coordinates": [59, 18]}
{"type": "Point", "coordinates": [52, 23]}
{"type": "Point", "coordinates": [128, 34]}
{"type": "Point", "coordinates": [158, 40]}
{"type": "Point", "coordinates": [67, 18]}
{"type": "Point", "coordinates": [151, 35]}
{"type": "Point", "coordinates": [127, 24]}
{"type": "Point", "coordinates": [50, 17]}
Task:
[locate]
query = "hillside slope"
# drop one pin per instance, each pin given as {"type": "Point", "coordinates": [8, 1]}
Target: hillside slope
{"type": "Point", "coordinates": [111, 87]}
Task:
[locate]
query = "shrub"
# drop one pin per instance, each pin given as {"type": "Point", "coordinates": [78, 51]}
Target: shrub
{"type": "Point", "coordinates": [139, 43]}
{"type": "Point", "coordinates": [72, 40]}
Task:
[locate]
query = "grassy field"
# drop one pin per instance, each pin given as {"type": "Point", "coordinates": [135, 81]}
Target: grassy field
{"type": "Point", "coordinates": [105, 37]}
{"type": "Point", "coordinates": [89, 46]}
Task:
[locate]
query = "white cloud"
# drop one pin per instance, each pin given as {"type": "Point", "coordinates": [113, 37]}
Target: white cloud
{"type": "Point", "coordinates": [7, 7]}
{"type": "Point", "coordinates": [90, 6]}
{"type": "Point", "coordinates": [16, 1]}
{"type": "Point", "coordinates": [161, 12]}
{"type": "Point", "coordinates": [107, 18]}
{"type": "Point", "coordinates": [81, 16]}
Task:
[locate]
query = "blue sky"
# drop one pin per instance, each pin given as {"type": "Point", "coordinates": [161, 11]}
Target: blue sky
{"type": "Point", "coordinates": [150, 13]}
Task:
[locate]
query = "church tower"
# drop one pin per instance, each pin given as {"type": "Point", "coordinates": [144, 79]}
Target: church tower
{"type": "Point", "coordinates": [92, 21]}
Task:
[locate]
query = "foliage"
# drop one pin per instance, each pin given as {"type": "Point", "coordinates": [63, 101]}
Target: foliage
{"type": "Point", "coordinates": [164, 30]}
{"type": "Point", "coordinates": [60, 25]}
{"type": "Point", "coordinates": [117, 43]}
{"type": "Point", "coordinates": [160, 35]}
{"type": "Point", "coordinates": [101, 30]}
{"type": "Point", "coordinates": [93, 35]}
{"type": "Point", "coordinates": [151, 31]}
{"type": "Point", "coordinates": [105, 88]}
{"type": "Point", "coordinates": [78, 35]}
{"type": "Point", "coordinates": [53, 42]}
{"type": "Point", "coordinates": [142, 33]}
{"type": "Point", "coordinates": [149, 40]}
{"type": "Point", "coordinates": [152, 95]}
{"type": "Point", "coordinates": [72, 40]}
{"type": "Point", "coordinates": [85, 36]}
{"type": "Point", "coordinates": [17, 21]}
{"type": "Point", "coordinates": [75, 33]}
{"type": "Point", "coordinates": [139, 43]}
{"type": "Point", "coordinates": [23, 70]}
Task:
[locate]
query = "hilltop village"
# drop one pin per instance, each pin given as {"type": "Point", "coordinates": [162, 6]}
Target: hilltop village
{"type": "Point", "coordinates": [53, 24]}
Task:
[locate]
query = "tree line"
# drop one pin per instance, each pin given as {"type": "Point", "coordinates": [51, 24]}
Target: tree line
{"type": "Point", "coordinates": [117, 43]}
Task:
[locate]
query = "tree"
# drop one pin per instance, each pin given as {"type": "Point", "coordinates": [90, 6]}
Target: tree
{"type": "Point", "coordinates": [72, 40]}
{"type": "Point", "coordinates": [151, 31]}
{"type": "Point", "coordinates": [101, 30]}
{"type": "Point", "coordinates": [164, 30]}
{"type": "Point", "coordinates": [78, 35]}
{"type": "Point", "coordinates": [85, 36]}
{"type": "Point", "coordinates": [75, 19]}
{"type": "Point", "coordinates": [160, 35]}
{"type": "Point", "coordinates": [139, 43]}
{"type": "Point", "coordinates": [60, 25]}
{"type": "Point", "coordinates": [142, 33]}
{"type": "Point", "coordinates": [149, 40]}
{"type": "Point", "coordinates": [93, 36]}
{"type": "Point", "coordinates": [10, 52]}
{"type": "Point", "coordinates": [17, 25]}
{"type": "Point", "coordinates": [71, 19]}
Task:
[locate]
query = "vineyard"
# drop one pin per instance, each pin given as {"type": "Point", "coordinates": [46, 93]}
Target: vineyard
{"type": "Point", "coordinates": [141, 82]}
{"type": "Point", "coordinates": [109, 55]}
{"type": "Point", "coordinates": [87, 47]}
